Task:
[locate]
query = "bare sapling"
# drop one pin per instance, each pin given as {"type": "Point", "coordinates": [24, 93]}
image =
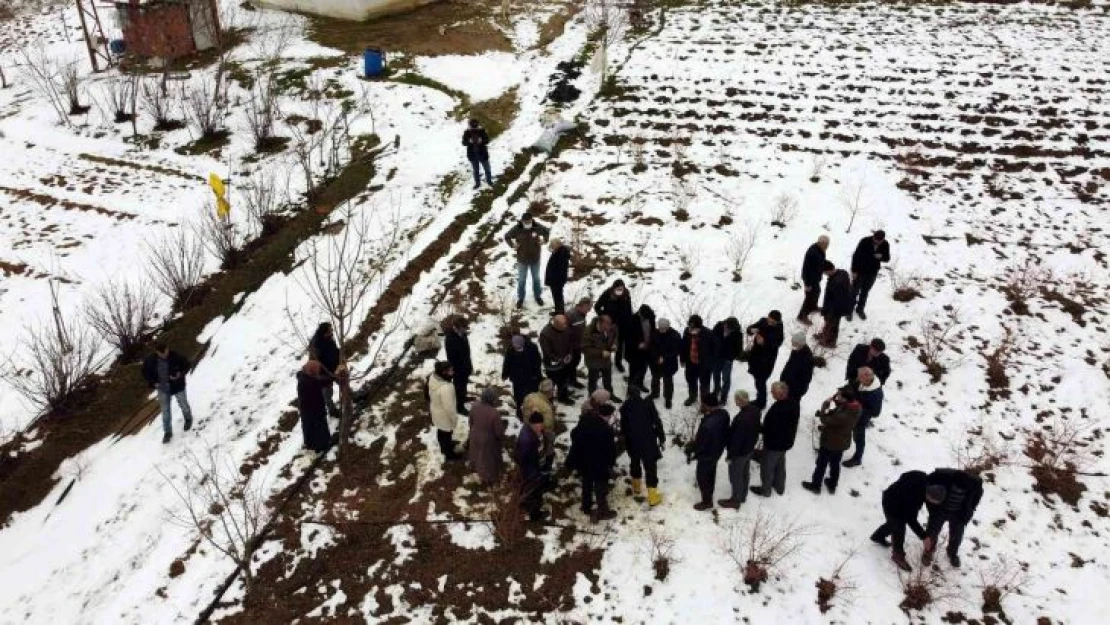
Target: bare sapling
{"type": "Point", "coordinates": [507, 517]}
{"type": "Point", "coordinates": [998, 359]}
{"type": "Point", "coordinates": [43, 72]}
{"type": "Point", "coordinates": [206, 106]}
{"type": "Point", "coordinates": [682, 194]}
{"type": "Point", "coordinates": [70, 77]}
{"type": "Point", "coordinates": [981, 451]}
{"type": "Point", "coordinates": [660, 549]}
{"type": "Point", "coordinates": [220, 236]}
{"type": "Point", "coordinates": [176, 262]}
{"type": "Point", "coordinates": [64, 356]}
{"type": "Point", "coordinates": [117, 98]}
{"type": "Point", "coordinates": [161, 104]}
{"type": "Point", "coordinates": [851, 197]}
{"type": "Point", "coordinates": [939, 334]}
{"type": "Point", "coordinates": [1060, 452]}
{"type": "Point", "coordinates": [759, 546]}
{"type": "Point", "coordinates": [1022, 281]}
{"type": "Point", "coordinates": [124, 314]}
{"type": "Point", "coordinates": [742, 239]}
{"type": "Point", "coordinates": [999, 579]}
{"type": "Point", "coordinates": [923, 587]}
{"type": "Point", "coordinates": [784, 210]}
{"type": "Point", "coordinates": [817, 167]}
{"type": "Point", "coordinates": [608, 23]}
{"type": "Point", "coordinates": [263, 197]}
{"type": "Point", "coordinates": [837, 586]}
{"type": "Point", "coordinates": [689, 256]}
{"type": "Point", "coordinates": [905, 284]}
{"type": "Point", "coordinates": [226, 513]}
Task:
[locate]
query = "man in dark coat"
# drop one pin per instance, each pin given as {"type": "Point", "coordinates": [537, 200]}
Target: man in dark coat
{"type": "Point", "coordinates": [742, 437]}
{"type": "Point", "coordinates": [457, 345]}
{"type": "Point", "coordinates": [165, 371]}
{"type": "Point", "coordinates": [598, 347]}
{"type": "Point", "coordinates": [555, 343]}
{"type": "Point", "coordinates": [766, 340]}
{"type": "Point", "coordinates": [312, 406]}
{"type": "Point", "coordinates": [709, 443]}
{"type": "Point", "coordinates": [527, 238]}
{"type": "Point", "coordinates": [871, 252]}
{"type": "Point", "coordinates": [698, 354]}
{"type": "Point", "coordinates": [593, 452]}
{"type": "Point", "coordinates": [476, 140]}
{"type": "Point", "coordinates": [779, 429]}
{"type": "Point", "coordinates": [869, 355]}
{"type": "Point", "coordinates": [616, 302]}
{"type": "Point", "coordinates": [956, 495]}
{"type": "Point", "coordinates": [837, 305]}
{"type": "Point", "coordinates": [637, 344]}
{"type": "Point", "coordinates": [323, 349]}
{"type": "Point", "coordinates": [643, 438]}
{"type": "Point", "coordinates": [529, 457]}
{"type": "Point", "coordinates": [902, 501]}
{"type": "Point", "coordinates": [730, 342]}
{"type": "Point", "coordinates": [556, 273]}
{"type": "Point", "coordinates": [838, 419]}
{"type": "Point", "coordinates": [666, 343]}
{"type": "Point", "coordinates": [797, 373]}
{"type": "Point", "coordinates": [870, 394]}
{"type": "Point", "coordinates": [812, 272]}
{"type": "Point", "coordinates": [521, 366]}
{"type": "Point", "coordinates": [576, 320]}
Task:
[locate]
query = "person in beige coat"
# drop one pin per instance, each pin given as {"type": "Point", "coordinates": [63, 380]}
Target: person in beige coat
{"type": "Point", "coordinates": [541, 402]}
{"type": "Point", "coordinates": [441, 402]}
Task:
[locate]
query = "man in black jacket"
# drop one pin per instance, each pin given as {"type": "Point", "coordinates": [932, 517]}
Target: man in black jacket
{"type": "Point", "coordinates": [323, 349]}
{"type": "Point", "coordinates": [643, 438]}
{"type": "Point", "coordinates": [476, 140]}
{"type": "Point", "coordinates": [457, 345]}
{"type": "Point", "coordinates": [780, 427]}
{"type": "Point", "coordinates": [557, 271]}
{"type": "Point", "coordinates": [698, 354]}
{"type": "Point", "coordinates": [165, 371]}
{"type": "Point", "coordinates": [730, 342]}
{"type": "Point", "coordinates": [837, 305]}
{"type": "Point", "coordinates": [666, 343]}
{"type": "Point", "coordinates": [637, 344]}
{"type": "Point", "coordinates": [527, 238]}
{"type": "Point", "coordinates": [902, 501]}
{"type": "Point", "coordinates": [766, 340]}
{"type": "Point", "coordinates": [593, 452]}
{"type": "Point", "coordinates": [869, 355]}
{"type": "Point", "coordinates": [522, 367]}
{"type": "Point", "coordinates": [812, 268]}
{"type": "Point", "coordinates": [957, 494]}
{"type": "Point", "coordinates": [742, 436]}
{"type": "Point", "coordinates": [616, 302]}
{"type": "Point", "coordinates": [797, 373]}
{"type": "Point", "coordinates": [871, 252]}
{"type": "Point", "coordinates": [709, 443]}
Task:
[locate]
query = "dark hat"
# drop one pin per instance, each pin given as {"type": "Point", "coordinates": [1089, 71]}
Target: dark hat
{"type": "Point", "coordinates": [776, 315]}
{"type": "Point", "coordinates": [710, 399]}
{"type": "Point", "coordinates": [646, 312]}
{"type": "Point", "coordinates": [878, 345]}
{"type": "Point", "coordinates": [535, 417]}
{"type": "Point", "coordinates": [879, 235]}
{"type": "Point", "coordinates": [442, 367]}
{"type": "Point", "coordinates": [695, 321]}
{"type": "Point", "coordinates": [828, 266]}
{"type": "Point", "coordinates": [473, 123]}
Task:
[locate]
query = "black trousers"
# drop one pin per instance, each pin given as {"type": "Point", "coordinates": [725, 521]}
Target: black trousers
{"type": "Point", "coordinates": [594, 488]}
{"type": "Point", "coordinates": [640, 466]}
{"type": "Point", "coordinates": [955, 533]}
{"type": "Point", "coordinates": [706, 473]}
{"type": "Point", "coordinates": [657, 375]}
{"type": "Point", "coordinates": [697, 378]}
{"type": "Point", "coordinates": [827, 459]}
{"type": "Point", "coordinates": [831, 332]}
{"type": "Point", "coordinates": [895, 528]}
{"type": "Point", "coordinates": [561, 379]}
{"type": "Point", "coordinates": [861, 286]}
{"type": "Point", "coordinates": [760, 390]}
{"type": "Point", "coordinates": [809, 304]}
{"type": "Point", "coordinates": [557, 297]}
{"type": "Point", "coordinates": [606, 375]}
{"type": "Point", "coordinates": [637, 366]}
{"type": "Point", "coordinates": [460, 382]}
{"type": "Point", "coordinates": [446, 444]}
{"type": "Point", "coordinates": [521, 390]}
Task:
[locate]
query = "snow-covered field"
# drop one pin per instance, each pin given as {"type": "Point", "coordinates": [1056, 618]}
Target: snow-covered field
{"type": "Point", "coordinates": [975, 135]}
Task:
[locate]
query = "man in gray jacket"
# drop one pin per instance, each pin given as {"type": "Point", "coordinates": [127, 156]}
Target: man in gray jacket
{"type": "Point", "coordinates": [527, 237]}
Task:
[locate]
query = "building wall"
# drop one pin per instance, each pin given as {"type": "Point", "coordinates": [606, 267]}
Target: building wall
{"type": "Point", "coordinates": [347, 9]}
{"type": "Point", "coordinates": [157, 30]}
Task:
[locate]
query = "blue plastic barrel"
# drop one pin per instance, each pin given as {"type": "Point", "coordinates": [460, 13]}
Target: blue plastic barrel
{"type": "Point", "coordinates": [117, 46]}
{"type": "Point", "coordinates": [373, 61]}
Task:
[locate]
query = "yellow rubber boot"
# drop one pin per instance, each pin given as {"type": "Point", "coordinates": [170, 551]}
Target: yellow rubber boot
{"type": "Point", "coordinates": [654, 498]}
{"type": "Point", "coordinates": [637, 486]}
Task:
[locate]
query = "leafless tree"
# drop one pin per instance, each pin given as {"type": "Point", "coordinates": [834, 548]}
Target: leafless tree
{"type": "Point", "coordinates": [116, 99]}
{"type": "Point", "coordinates": [741, 241]}
{"type": "Point", "coordinates": [206, 105]}
{"type": "Point", "coordinates": [817, 167]}
{"type": "Point", "coordinates": [784, 210]}
{"type": "Point", "coordinates": [226, 514]}
{"type": "Point", "coordinates": [263, 197]}
{"type": "Point", "coordinates": [70, 78]}
{"type": "Point", "coordinates": [608, 21]}
{"type": "Point", "coordinates": [220, 236]}
{"type": "Point", "coordinates": [64, 358]}
{"type": "Point", "coordinates": [321, 141]}
{"type": "Point", "coordinates": [44, 72]}
{"type": "Point", "coordinates": [260, 110]}
{"type": "Point", "coordinates": [925, 586]}
{"type": "Point", "coordinates": [851, 197]}
{"type": "Point", "coordinates": [980, 451]}
{"type": "Point", "coordinates": [1059, 452]}
{"type": "Point", "coordinates": [660, 548]}
{"type": "Point", "coordinates": [688, 305]}
{"type": "Point", "coordinates": [344, 271]}
{"type": "Point", "coordinates": [999, 579]}
{"type": "Point", "coordinates": [905, 284]}
{"type": "Point", "coordinates": [161, 103]}
{"type": "Point", "coordinates": [683, 195]}
{"type": "Point", "coordinates": [177, 264]}
{"type": "Point", "coordinates": [939, 333]}
{"type": "Point", "coordinates": [838, 585]}
{"type": "Point", "coordinates": [688, 258]}
{"type": "Point", "coordinates": [124, 314]}
{"type": "Point", "coordinates": [761, 544]}
{"type": "Point", "coordinates": [1022, 281]}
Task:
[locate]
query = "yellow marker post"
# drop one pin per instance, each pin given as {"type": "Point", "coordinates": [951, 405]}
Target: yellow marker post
{"type": "Point", "coordinates": [223, 207]}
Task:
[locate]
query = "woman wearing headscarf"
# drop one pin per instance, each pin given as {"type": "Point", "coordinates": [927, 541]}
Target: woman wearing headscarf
{"type": "Point", "coordinates": [311, 380]}
{"type": "Point", "coordinates": [487, 435]}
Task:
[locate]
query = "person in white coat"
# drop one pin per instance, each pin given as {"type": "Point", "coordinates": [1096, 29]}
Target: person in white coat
{"type": "Point", "coordinates": [441, 401]}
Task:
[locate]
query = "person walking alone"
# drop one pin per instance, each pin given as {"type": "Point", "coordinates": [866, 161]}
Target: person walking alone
{"type": "Point", "coordinates": [838, 418]}
{"type": "Point", "coordinates": [812, 271]}
{"type": "Point", "coordinates": [643, 438]}
{"type": "Point", "coordinates": [556, 273]}
{"type": "Point", "coordinates": [165, 371]}
{"type": "Point", "coordinates": [868, 258]}
{"type": "Point", "coordinates": [742, 437]}
{"type": "Point", "coordinates": [476, 140]}
{"type": "Point", "coordinates": [527, 238]}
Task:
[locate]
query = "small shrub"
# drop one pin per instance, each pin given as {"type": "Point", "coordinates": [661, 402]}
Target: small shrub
{"type": "Point", "coordinates": [761, 545]}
